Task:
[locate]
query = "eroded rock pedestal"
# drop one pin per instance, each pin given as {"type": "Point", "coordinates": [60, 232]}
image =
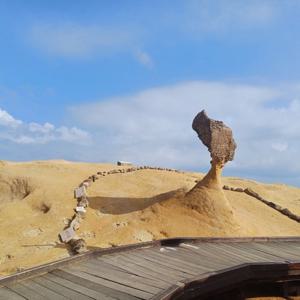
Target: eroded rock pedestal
{"type": "Point", "coordinates": [218, 139]}
{"type": "Point", "coordinates": [207, 197]}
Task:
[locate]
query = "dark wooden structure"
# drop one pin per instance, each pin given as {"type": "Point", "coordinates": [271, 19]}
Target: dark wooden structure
{"type": "Point", "coordinates": [182, 268]}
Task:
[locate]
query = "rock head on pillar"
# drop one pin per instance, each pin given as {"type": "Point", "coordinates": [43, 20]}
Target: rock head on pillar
{"type": "Point", "coordinates": [207, 197]}
{"type": "Point", "coordinates": [218, 138]}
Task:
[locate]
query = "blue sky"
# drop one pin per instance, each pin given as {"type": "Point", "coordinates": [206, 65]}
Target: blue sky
{"type": "Point", "coordinates": [109, 80]}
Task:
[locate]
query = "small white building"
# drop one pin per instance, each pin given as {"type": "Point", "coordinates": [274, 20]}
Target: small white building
{"type": "Point", "coordinates": [124, 163]}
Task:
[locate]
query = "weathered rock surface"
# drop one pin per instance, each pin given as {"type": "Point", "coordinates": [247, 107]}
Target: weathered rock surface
{"type": "Point", "coordinates": [77, 245]}
{"type": "Point", "coordinates": [216, 136]}
{"type": "Point", "coordinates": [207, 197]}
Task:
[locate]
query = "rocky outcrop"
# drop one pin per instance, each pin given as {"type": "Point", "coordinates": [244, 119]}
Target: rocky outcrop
{"type": "Point", "coordinates": [68, 235]}
{"type": "Point", "coordinates": [218, 138]}
{"type": "Point", "coordinates": [207, 197]}
{"type": "Point", "coordinates": [250, 192]}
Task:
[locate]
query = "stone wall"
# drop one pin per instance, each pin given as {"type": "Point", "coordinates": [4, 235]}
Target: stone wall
{"type": "Point", "coordinates": [68, 235]}
{"type": "Point", "coordinates": [271, 204]}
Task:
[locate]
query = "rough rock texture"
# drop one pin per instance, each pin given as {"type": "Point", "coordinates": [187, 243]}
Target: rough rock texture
{"type": "Point", "coordinates": [207, 197]}
{"type": "Point", "coordinates": [78, 245]}
{"type": "Point", "coordinates": [216, 136]}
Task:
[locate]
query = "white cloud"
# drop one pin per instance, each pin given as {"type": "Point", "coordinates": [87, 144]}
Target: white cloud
{"type": "Point", "coordinates": [73, 135]}
{"type": "Point", "coordinates": [154, 127]}
{"type": "Point", "coordinates": [280, 146]}
{"type": "Point", "coordinates": [222, 15]}
{"type": "Point", "coordinates": [75, 40]}
{"type": "Point", "coordinates": [198, 17]}
{"type": "Point", "coordinates": [45, 128]}
{"type": "Point", "coordinates": [7, 120]}
{"type": "Point", "coordinates": [144, 58]}
{"type": "Point", "coordinates": [19, 132]}
{"type": "Point", "coordinates": [72, 40]}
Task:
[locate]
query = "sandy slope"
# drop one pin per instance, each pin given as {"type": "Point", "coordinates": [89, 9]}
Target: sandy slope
{"type": "Point", "coordinates": [124, 208]}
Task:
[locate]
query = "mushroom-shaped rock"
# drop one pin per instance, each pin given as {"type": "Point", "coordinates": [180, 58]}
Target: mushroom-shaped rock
{"type": "Point", "coordinates": [216, 136]}
{"type": "Point", "coordinates": [207, 197]}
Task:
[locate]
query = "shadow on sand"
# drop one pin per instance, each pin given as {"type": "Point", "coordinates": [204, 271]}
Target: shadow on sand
{"type": "Point", "coordinates": [119, 206]}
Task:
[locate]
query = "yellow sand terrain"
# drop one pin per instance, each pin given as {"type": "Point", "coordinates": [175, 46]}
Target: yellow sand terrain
{"type": "Point", "coordinates": [36, 201]}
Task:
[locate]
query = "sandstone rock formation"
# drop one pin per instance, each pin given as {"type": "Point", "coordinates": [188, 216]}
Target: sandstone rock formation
{"type": "Point", "coordinates": [207, 197]}
{"type": "Point", "coordinates": [217, 137]}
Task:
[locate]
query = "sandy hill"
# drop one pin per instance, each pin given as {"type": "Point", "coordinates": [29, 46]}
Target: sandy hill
{"type": "Point", "coordinates": [36, 201]}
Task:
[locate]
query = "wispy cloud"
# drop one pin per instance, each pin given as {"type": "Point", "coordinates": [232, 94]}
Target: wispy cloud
{"type": "Point", "coordinates": [7, 120]}
{"type": "Point", "coordinates": [144, 58]}
{"type": "Point", "coordinates": [19, 132]}
{"type": "Point", "coordinates": [279, 146]}
{"type": "Point", "coordinates": [72, 40]}
{"type": "Point", "coordinates": [76, 40]}
{"type": "Point", "coordinates": [223, 15]}
{"type": "Point", "coordinates": [154, 127]}
{"type": "Point", "coordinates": [204, 18]}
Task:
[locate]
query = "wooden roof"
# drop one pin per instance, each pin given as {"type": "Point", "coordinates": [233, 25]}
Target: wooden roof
{"type": "Point", "coordinates": [168, 269]}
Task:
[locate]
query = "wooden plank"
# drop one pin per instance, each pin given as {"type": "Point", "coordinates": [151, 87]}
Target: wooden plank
{"type": "Point", "coordinates": [247, 253]}
{"type": "Point", "coordinates": [170, 262]}
{"type": "Point", "coordinates": [294, 245]}
{"type": "Point", "coordinates": [137, 269]}
{"type": "Point", "coordinates": [202, 257]}
{"type": "Point", "coordinates": [6, 294]}
{"type": "Point", "coordinates": [173, 241]}
{"type": "Point", "coordinates": [120, 276]}
{"type": "Point", "coordinates": [295, 251]}
{"type": "Point", "coordinates": [290, 248]}
{"type": "Point", "coordinates": [232, 252]}
{"type": "Point", "coordinates": [104, 264]}
{"type": "Point", "coordinates": [264, 255]}
{"type": "Point", "coordinates": [99, 289]}
{"type": "Point", "coordinates": [211, 258]}
{"type": "Point", "coordinates": [205, 255]}
{"type": "Point", "coordinates": [119, 270]}
{"type": "Point", "coordinates": [166, 253]}
{"type": "Point", "coordinates": [235, 256]}
{"type": "Point", "coordinates": [111, 284]}
{"type": "Point", "coordinates": [258, 254]}
{"type": "Point", "coordinates": [291, 254]}
{"type": "Point", "coordinates": [47, 293]}
{"type": "Point", "coordinates": [80, 288]}
{"type": "Point", "coordinates": [194, 258]}
{"type": "Point", "coordinates": [162, 258]}
{"type": "Point", "coordinates": [66, 292]}
{"type": "Point", "coordinates": [26, 292]}
{"type": "Point", "coordinates": [220, 253]}
{"type": "Point", "coordinates": [164, 264]}
{"type": "Point", "coordinates": [154, 267]}
{"type": "Point", "coordinates": [274, 251]}
{"type": "Point", "coordinates": [72, 259]}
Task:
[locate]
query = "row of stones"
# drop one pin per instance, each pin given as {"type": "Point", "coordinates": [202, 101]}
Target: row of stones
{"type": "Point", "coordinates": [68, 235]}
{"type": "Point", "coordinates": [273, 205]}
{"type": "Point", "coordinates": [104, 173]}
